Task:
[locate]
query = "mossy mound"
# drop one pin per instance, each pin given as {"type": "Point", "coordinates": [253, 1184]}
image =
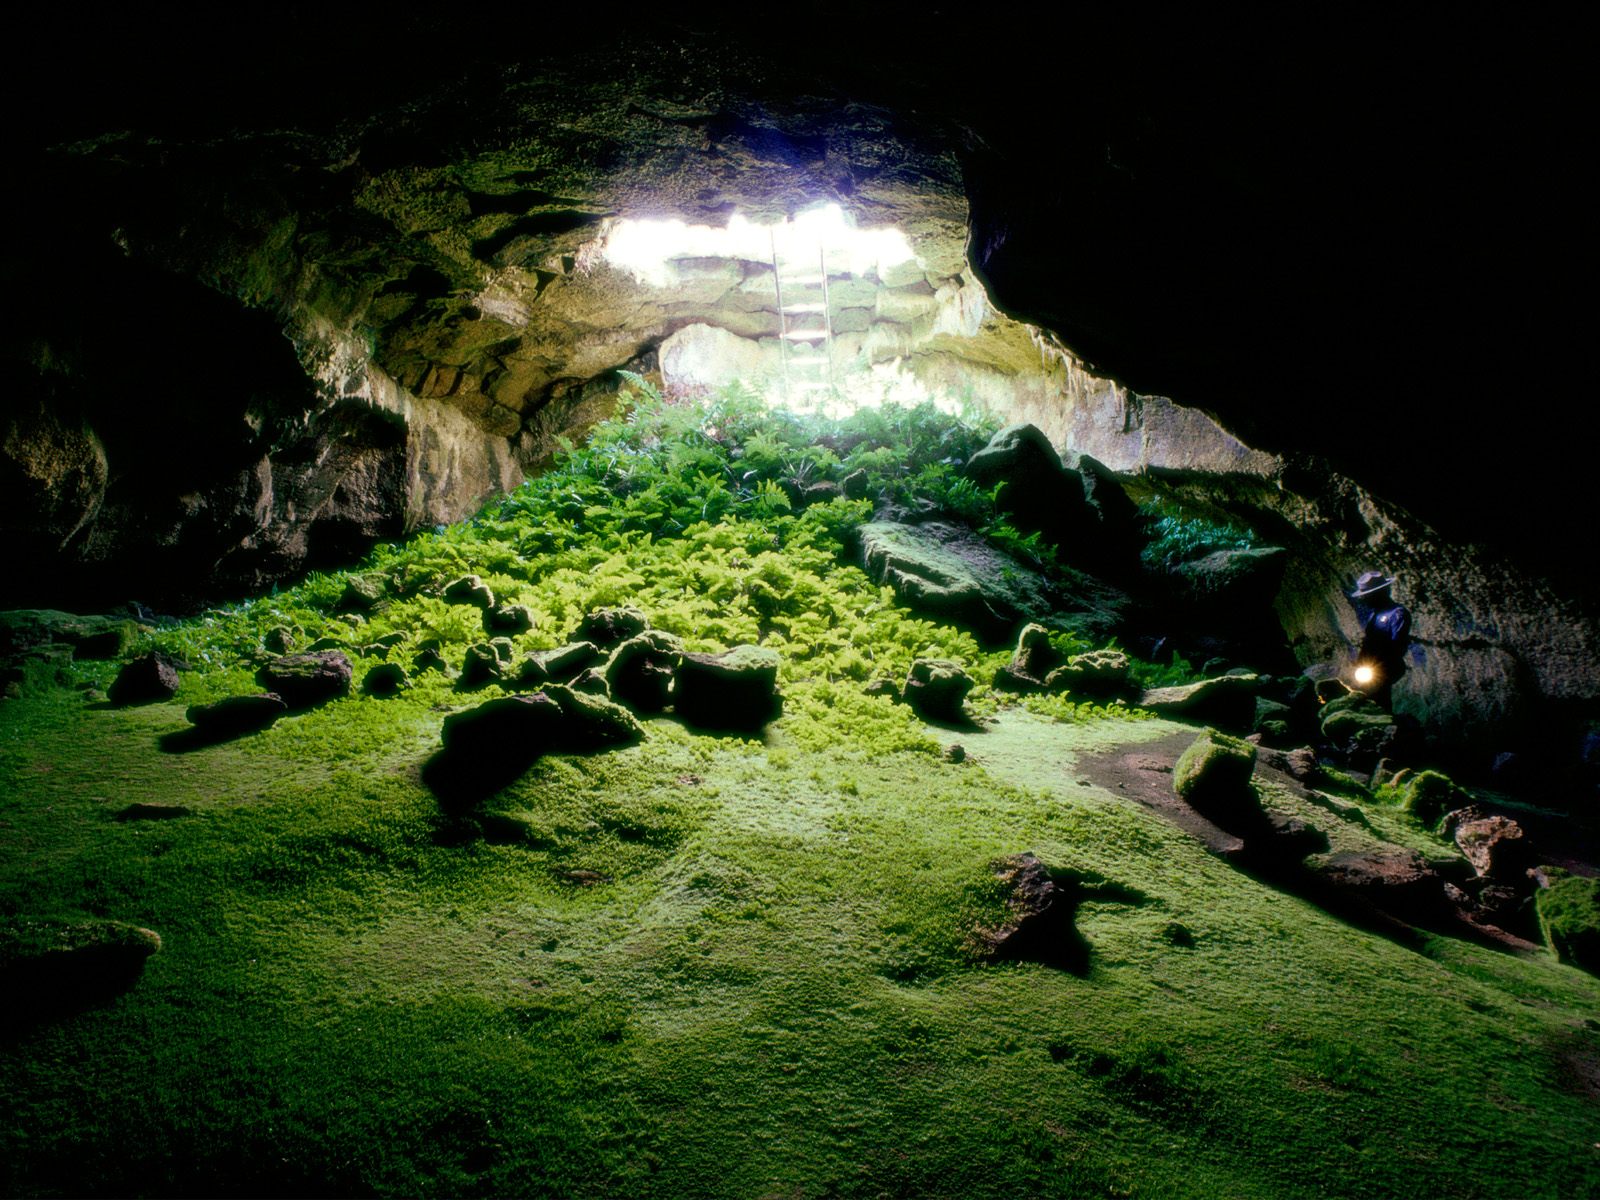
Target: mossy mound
{"type": "Point", "coordinates": [1569, 918]}
{"type": "Point", "coordinates": [1426, 795]}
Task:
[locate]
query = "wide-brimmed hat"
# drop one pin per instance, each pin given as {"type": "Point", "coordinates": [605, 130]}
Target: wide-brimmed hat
{"type": "Point", "coordinates": [1373, 583]}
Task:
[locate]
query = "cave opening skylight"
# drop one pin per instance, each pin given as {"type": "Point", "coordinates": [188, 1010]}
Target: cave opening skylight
{"type": "Point", "coordinates": [801, 326]}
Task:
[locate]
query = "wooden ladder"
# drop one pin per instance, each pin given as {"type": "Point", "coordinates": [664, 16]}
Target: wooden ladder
{"type": "Point", "coordinates": [804, 320]}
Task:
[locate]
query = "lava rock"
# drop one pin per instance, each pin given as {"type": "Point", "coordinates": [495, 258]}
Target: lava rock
{"type": "Point", "coordinates": [487, 747]}
{"type": "Point", "coordinates": [1031, 662]}
{"type": "Point", "coordinates": [558, 665]}
{"type": "Point", "coordinates": [936, 689]}
{"type": "Point", "coordinates": [1496, 846]}
{"type": "Point", "coordinates": [306, 680]}
{"type": "Point", "coordinates": [1569, 918]}
{"type": "Point", "coordinates": [591, 681]}
{"type": "Point", "coordinates": [429, 658]}
{"type": "Point", "coordinates": [609, 627]}
{"type": "Point", "coordinates": [508, 618]}
{"type": "Point", "coordinates": [820, 493]}
{"type": "Point", "coordinates": [236, 715]}
{"type": "Point", "coordinates": [1040, 914]}
{"type": "Point", "coordinates": [1213, 777]}
{"type": "Point", "coordinates": [386, 679]}
{"type": "Point", "coordinates": [1228, 701]}
{"type": "Point", "coordinates": [639, 672]}
{"type": "Point", "coordinates": [469, 589]}
{"type": "Point", "coordinates": [484, 664]}
{"type": "Point", "coordinates": [280, 639]}
{"type": "Point", "coordinates": [1427, 795]}
{"type": "Point", "coordinates": [737, 689]}
{"type": "Point", "coordinates": [1398, 882]}
{"type": "Point", "coordinates": [1356, 725]}
{"type": "Point", "coordinates": [1097, 673]}
{"type": "Point", "coordinates": [854, 485]}
{"type": "Point", "coordinates": [1038, 492]}
{"type": "Point", "coordinates": [1273, 720]}
{"type": "Point", "coordinates": [361, 593]}
{"type": "Point", "coordinates": [592, 721]}
{"type": "Point", "coordinates": [145, 680]}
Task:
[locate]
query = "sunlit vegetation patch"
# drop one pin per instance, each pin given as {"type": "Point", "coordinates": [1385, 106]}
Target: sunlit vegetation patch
{"type": "Point", "coordinates": [719, 965]}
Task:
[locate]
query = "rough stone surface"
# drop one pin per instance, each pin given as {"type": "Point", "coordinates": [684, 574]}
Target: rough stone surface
{"type": "Point", "coordinates": [469, 589]}
{"type": "Point", "coordinates": [608, 627]}
{"type": "Point", "coordinates": [936, 689]}
{"type": "Point", "coordinates": [483, 664]}
{"type": "Point", "coordinates": [737, 689]}
{"type": "Point", "coordinates": [1031, 662]}
{"type": "Point", "coordinates": [593, 721]}
{"type": "Point", "coordinates": [950, 573]}
{"type": "Point", "coordinates": [1496, 847]}
{"type": "Point", "coordinates": [1039, 922]}
{"type": "Point", "coordinates": [1227, 700]}
{"type": "Point", "coordinates": [1097, 673]}
{"type": "Point", "coordinates": [1427, 795]}
{"type": "Point", "coordinates": [148, 678]}
{"type": "Point", "coordinates": [509, 619]}
{"type": "Point", "coordinates": [1569, 917]}
{"type": "Point", "coordinates": [1213, 776]}
{"type": "Point", "coordinates": [558, 665]}
{"type": "Point", "coordinates": [386, 679]}
{"type": "Point", "coordinates": [306, 680]}
{"type": "Point", "coordinates": [639, 672]}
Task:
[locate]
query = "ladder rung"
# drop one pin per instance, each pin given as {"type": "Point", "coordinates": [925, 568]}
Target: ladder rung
{"type": "Point", "coordinates": [807, 360]}
{"type": "Point", "coordinates": [805, 308]}
{"type": "Point", "coordinates": [806, 335]}
{"type": "Point", "coordinates": [793, 280]}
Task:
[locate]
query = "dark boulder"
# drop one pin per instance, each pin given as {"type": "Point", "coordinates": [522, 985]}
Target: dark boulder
{"type": "Point", "coordinates": [361, 593]}
{"type": "Point", "coordinates": [1496, 846]}
{"type": "Point", "coordinates": [484, 663]}
{"type": "Point", "coordinates": [737, 689]}
{"type": "Point", "coordinates": [591, 681]}
{"type": "Point", "coordinates": [430, 657]}
{"type": "Point", "coordinates": [608, 627]}
{"type": "Point", "coordinates": [1097, 673]}
{"type": "Point", "coordinates": [558, 665]}
{"type": "Point", "coordinates": [386, 679]}
{"type": "Point", "coordinates": [145, 680]}
{"type": "Point", "coordinates": [1031, 662]}
{"type": "Point", "coordinates": [236, 715]}
{"type": "Point", "coordinates": [1400, 883]}
{"type": "Point", "coordinates": [1039, 921]}
{"type": "Point", "coordinates": [1213, 777]}
{"type": "Point", "coordinates": [820, 493]}
{"type": "Point", "coordinates": [487, 747]}
{"type": "Point", "coordinates": [469, 589]}
{"type": "Point", "coordinates": [1228, 701]}
{"type": "Point", "coordinates": [281, 639]}
{"type": "Point", "coordinates": [1035, 489]}
{"type": "Point", "coordinates": [639, 672]}
{"type": "Point", "coordinates": [509, 619]}
{"type": "Point", "coordinates": [1569, 918]}
{"type": "Point", "coordinates": [936, 690]}
{"type": "Point", "coordinates": [592, 721]}
{"type": "Point", "coordinates": [854, 485]}
{"type": "Point", "coordinates": [1426, 795]}
{"type": "Point", "coordinates": [306, 680]}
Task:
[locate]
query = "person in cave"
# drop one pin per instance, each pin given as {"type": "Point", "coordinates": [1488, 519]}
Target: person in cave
{"type": "Point", "coordinates": [1380, 654]}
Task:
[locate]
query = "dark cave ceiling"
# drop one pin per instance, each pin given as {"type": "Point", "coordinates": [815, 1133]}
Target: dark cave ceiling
{"type": "Point", "coordinates": [1362, 240]}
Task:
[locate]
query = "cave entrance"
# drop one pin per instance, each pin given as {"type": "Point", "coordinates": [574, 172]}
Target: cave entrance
{"type": "Point", "coordinates": [818, 314]}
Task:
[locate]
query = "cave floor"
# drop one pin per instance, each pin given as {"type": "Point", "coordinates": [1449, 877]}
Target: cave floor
{"type": "Point", "coordinates": [712, 966]}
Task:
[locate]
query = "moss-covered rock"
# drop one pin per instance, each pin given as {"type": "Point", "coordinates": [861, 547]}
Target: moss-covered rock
{"type": "Point", "coordinates": [148, 678]}
{"type": "Point", "coordinates": [1426, 795]}
{"type": "Point", "coordinates": [469, 589]}
{"type": "Point", "coordinates": [1213, 777]}
{"type": "Point", "coordinates": [386, 679]}
{"type": "Point", "coordinates": [1096, 673]}
{"type": "Point", "coordinates": [639, 672]}
{"type": "Point", "coordinates": [1356, 724]}
{"type": "Point", "coordinates": [558, 665]}
{"type": "Point", "coordinates": [234, 716]}
{"type": "Point", "coordinates": [47, 967]}
{"type": "Point", "coordinates": [1569, 918]}
{"type": "Point", "coordinates": [510, 619]}
{"type": "Point", "coordinates": [608, 627]}
{"type": "Point", "coordinates": [1227, 700]}
{"type": "Point", "coordinates": [936, 689]}
{"type": "Point", "coordinates": [592, 721]}
{"type": "Point", "coordinates": [737, 689]}
{"type": "Point", "coordinates": [306, 680]}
